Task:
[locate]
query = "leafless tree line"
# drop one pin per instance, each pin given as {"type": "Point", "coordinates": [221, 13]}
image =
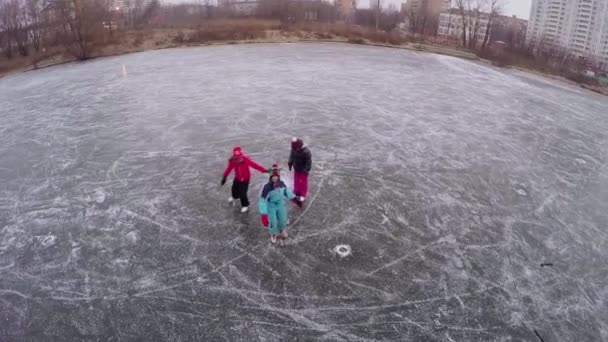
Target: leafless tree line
{"type": "Point", "coordinates": [474, 15]}
{"type": "Point", "coordinates": [28, 26]}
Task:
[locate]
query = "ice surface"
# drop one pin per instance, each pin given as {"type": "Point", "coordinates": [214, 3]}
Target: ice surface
{"type": "Point", "coordinates": [451, 181]}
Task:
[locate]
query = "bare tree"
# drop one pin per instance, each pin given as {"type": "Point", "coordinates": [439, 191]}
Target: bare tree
{"type": "Point", "coordinates": [475, 11]}
{"type": "Point", "coordinates": [460, 4]}
{"type": "Point", "coordinates": [13, 22]}
{"type": "Point", "coordinates": [5, 39]}
{"type": "Point", "coordinates": [449, 26]}
{"type": "Point", "coordinates": [139, 12]}
{"type": "Point", "coordinates": [205, 9]}
{"type": "Point", "coordinates": [495, 8]}
{"type": "Point", "coordinates": [6, 44]}
{"type": "Point", "coordinates": [471, 13]}
{"type": "Point", "coordinates": [35, 20]}
{"type": "Point", "coordinates": [378, 8]}
{"type": "Point", "coordinates": [81, 25]}
{"type": "Point", "coordinates": [417, 18]}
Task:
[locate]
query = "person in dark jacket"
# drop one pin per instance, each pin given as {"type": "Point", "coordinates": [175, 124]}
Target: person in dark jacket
{"type": "Point", "coordinates": [240, 163]}
{"type": "Point", "coordinates": [300, 160]}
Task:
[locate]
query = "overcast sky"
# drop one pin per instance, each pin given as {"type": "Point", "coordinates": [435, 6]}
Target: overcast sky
{"type": "Point", "coordinates": [521, 8]}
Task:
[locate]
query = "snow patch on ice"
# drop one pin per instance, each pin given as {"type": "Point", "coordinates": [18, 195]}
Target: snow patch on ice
{"type": "Point", "coordinates": [45, 240]}
{"type": "Point", "coordinates": [449, 239]}
{"type": "Point", "coordinates": [133, 236]}
{"type": "Point", "coordinates": [447, 199]}
{"type": "Point", "coordinates": [521, 192]}
{"type": "Point", "coordinates": [99, 196]}
{"type": "Point", "coordinates": [146, 282]}
{"type": "Point", "coordinates": [121, 262]}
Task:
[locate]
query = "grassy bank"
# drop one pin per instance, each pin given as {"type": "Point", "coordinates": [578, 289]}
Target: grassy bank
{"type": "Point", "coordinates": [224, 32]}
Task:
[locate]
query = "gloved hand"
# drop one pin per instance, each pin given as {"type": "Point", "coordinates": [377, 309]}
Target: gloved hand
{"type": "Point", "coordinates": [290, 166]}
{"type": "Point", "coordinates": [268, 171]}
{"type": "Point", "coordinates": [265, 220]}
{"type": "Point", "coordinates": [223, 181]}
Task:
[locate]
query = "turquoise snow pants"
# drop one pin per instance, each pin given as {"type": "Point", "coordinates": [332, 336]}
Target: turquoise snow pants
{"type": "Point", "coordinates": [277, 218]}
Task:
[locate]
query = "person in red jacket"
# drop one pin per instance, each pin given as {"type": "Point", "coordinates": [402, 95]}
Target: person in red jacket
{"type": "Point", "coordinates": [240, 163]}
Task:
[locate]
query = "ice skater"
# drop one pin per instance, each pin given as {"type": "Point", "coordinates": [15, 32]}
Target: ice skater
{"type": "Point", "coordinates": [272, 206]}
{"type": "Point", "coordinates": [300, 160]}
{"type": "Point", "coordinates": [240, 163]}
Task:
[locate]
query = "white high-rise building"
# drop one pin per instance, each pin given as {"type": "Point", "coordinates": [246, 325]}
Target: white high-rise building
{"type": "Point", "coordinates": [580, 26]}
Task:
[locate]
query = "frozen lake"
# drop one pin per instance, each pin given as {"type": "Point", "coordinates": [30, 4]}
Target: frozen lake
{"type": "Point", "coordinates": [451, 181]}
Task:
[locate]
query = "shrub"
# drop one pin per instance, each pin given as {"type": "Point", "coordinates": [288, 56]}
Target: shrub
{"type": "Point", "coordinates": [180, 37]}
{"type": "Point", "coordinates": [356, 40]}
{"type": "Point", "coordinates": [224, 30]}
{"type": "Point", "coordinates": [582, 79]}
{"type": "Point", "coordinates": [396, 39]}
{"type": "Point", "coordinates": [139, 39]}
{"type": "Point", "coordinates": [500, 60]}
{"type": "Point", "coordinates": [323, 35]}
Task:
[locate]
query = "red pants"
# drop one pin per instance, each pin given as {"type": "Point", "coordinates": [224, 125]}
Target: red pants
{"type": "Point", "coordinates": [300, 183]}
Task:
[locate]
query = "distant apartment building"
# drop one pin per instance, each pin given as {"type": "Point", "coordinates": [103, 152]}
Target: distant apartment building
{"type": "Point", "coordinates": [124, 5]}
{"type": "Point", "coordinates": [239, 7]}
{"type": "Point", "coordinates": [431, 7]}
{"type": "Point", "coordinates": [422, 15]}
{"type": "Point", "coordinates": [580, 26]}
{"type": "Point", "coordinates": [509, 30]}
{"type": "Point", "coordinates": [346, 9]}
{"type": "Point", "coordinates": [451, 25]}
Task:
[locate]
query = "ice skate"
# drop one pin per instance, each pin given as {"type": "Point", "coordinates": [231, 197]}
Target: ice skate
{"type": "Point", "coordinates": [273, 239]}
{"type": "Point", "coordinates": [244, 209]}
{"type": "Point", "coordinates": [231, 201]}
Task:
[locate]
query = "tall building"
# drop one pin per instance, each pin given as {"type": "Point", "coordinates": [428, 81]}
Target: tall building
{"type": "Point", "coordinates": [509, 30]}
{"type": "Point", "coordinates": [580, 26]}
{"type": "Point", "coordinates": [433, 7]}
{"type": "Point", "coordinates": [450, 25]}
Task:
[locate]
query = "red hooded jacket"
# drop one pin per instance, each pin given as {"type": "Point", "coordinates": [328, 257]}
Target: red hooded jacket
{"type": "Point", "coordinates": [241, 165]}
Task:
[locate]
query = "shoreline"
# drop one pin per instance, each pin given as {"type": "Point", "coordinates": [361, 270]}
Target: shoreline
{"type": "Point", "coordinates": [424, 48]}
{"type": "Point", "coordinates": [66, 60]}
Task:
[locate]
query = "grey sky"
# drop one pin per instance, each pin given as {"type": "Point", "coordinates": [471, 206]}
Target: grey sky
{"type": "Point", "coordinates": [521, 8]}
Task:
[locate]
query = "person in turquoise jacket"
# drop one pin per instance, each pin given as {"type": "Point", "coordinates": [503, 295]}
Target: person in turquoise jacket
{"type": "Point", "coordinates": [272, 205]}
